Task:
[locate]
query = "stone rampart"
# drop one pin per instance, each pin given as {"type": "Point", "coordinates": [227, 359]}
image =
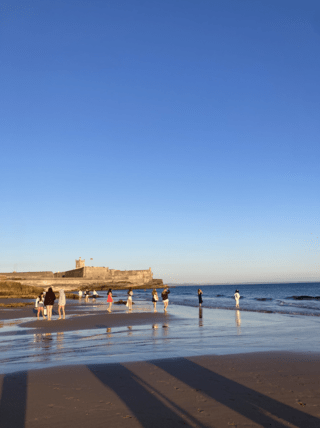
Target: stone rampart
{"type": "Point", "coordinates": [59, 274]}
{"type": "Point", "coordinates": [75, 273]}
{"type": "Point", "coordinates": [96, 275]}
{"type": "Point", "coordinates": [96, 272]}
{"type": "Point", "coordinates": [30, 275]}
{"type": "Point", "coordinates": [72, 284]}
{"type": "Point", "coordinates": [106, 274]}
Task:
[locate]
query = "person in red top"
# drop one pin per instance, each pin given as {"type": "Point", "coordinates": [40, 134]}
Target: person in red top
{"type": "Point", "coordinates": [110, 299]}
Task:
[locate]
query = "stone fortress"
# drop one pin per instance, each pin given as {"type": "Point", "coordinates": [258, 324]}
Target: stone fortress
{"type": "Point", "coordinates": [83, 276]}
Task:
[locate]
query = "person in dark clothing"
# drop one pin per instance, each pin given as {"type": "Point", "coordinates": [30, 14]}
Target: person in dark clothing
{"type": "Point", "coordinates": [165, 298]}
{"type": "Point", "coordinates": [200, 296]}
{"type": "Point", "coordinates": [49, 301]}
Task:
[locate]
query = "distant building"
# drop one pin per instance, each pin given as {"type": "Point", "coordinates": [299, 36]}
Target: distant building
{"type": "Point", "coordinates": [80, 263]}
{"type": "Point", "coordinates": [82, 273]}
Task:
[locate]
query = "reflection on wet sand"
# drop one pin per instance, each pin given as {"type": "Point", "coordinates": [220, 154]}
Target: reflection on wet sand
{"type": "Point", "coordinates": [9, 323]}
{"type": "Point", "coordinates": [238, 322]}
{"type": "Point", "coordinates": [109, 332]}
{"type": "Point", "coordinates": [43, 342]}
{"type": "Point", "coordinates": [47, 341]}
{"type": "Point", "coordinates": [155, 330]}
{"type": "Point", "coordinates": [165, 329]}
{"type": "Point", "coordinates": [200, 317]}
{"type": "Point", "coordinates": [130, 330]}
{"type": "Point", "coordinates": [60, 337]}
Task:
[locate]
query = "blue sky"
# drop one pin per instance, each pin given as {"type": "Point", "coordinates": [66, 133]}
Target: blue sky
{"type": "Point", "coordinates": [179, 135]}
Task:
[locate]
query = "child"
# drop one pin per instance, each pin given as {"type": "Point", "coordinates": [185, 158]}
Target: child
{"type": "Point", "coordinates": [110, 299]}
{"type": "Point", "coordinates": [40, 305]}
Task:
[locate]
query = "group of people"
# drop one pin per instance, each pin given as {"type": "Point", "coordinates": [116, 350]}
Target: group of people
{"type": "Point", "coordinates": [86, 294]}
{"type": "Point", "coordinates": [155, 299]}
{"type": "Point", "coordinates": [45, 302]}
{"type": "Point", "coordinates": [236, 297]}
{"type": "Point", "coordinates": [164, 296]}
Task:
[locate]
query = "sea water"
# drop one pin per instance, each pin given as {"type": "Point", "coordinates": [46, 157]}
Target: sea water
{"type": "Point", "coordinates": [294, 299]}
{"type": "Point", "coordinates": [271, 317]}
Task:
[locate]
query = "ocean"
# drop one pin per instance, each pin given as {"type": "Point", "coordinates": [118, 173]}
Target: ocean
{"type": "Point", "coordinates": [289, 298]}
{"type": "Point", "coordinates": [272, 317]}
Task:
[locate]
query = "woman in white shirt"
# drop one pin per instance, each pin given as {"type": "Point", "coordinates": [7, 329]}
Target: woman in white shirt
{"type": "Point", "coordinates": [40, 305]}
{"type": "Point", "coordinates": [61, 304]}
{"type": "Point", "coordinates": [129, 301]}
{"type": "Point", "coordinates": [237, 298]}
{"type": "Point", "coordinates": [155, 298]}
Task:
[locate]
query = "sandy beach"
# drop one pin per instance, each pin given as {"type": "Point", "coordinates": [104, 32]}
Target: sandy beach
{"type": "Point", "coordinates": [256, 390]}
{"type": "Point", "coordinates": [207, 368]}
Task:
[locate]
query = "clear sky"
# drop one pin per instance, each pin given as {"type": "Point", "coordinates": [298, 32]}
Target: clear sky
{"type": "Point", "coordinates": [181, 135]}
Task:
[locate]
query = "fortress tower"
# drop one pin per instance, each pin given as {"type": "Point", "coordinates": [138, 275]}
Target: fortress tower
{"type": "Point", "coordinates": [80, 263]}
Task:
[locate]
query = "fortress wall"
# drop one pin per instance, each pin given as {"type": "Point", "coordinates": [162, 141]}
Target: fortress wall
{"type": "Point", "coordinates": [101, 273]}
{"type": "Point", "coordinates": [97, 272]}
{"type": "Point", "coordinates": [45, 274]}
{"type": "Point", "coordinates": [75, 273]}
{"type": "Point", "coordinates": [61, 282]}
{"type": "Point", "coordinates": [59, 274]}
{"type": "Point", "coordinates": [88, 274]}
{"type": "Point", "coordinates": [135, 277]}
{"type": "Point", "coordinates": [69, 284]}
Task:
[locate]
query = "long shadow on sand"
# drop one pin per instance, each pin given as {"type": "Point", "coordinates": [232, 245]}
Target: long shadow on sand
{"type": "Point", "coordinates": [241, 399]}
{"type": "Point", "coordinates": [148, 409]}
{"type": "Point", "coordinates": [13, 400]}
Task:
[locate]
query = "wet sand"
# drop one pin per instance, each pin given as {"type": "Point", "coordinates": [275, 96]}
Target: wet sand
{"type": "Point", "coordinates": [146, 369]}
{"type": "Point", "coordinates": [97, 321]}
{"type": "Point", "coordinates": [246, 390]}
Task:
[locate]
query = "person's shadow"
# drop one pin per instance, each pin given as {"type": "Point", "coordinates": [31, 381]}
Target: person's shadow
{"type": "Point", "coordinates": [13, 400]}
{"type": "Point", "coordinates": [149, 410]}
{"type": "Point", "coordinates": [243, 400]}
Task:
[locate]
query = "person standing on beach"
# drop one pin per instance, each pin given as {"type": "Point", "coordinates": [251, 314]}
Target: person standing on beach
{"type": "Point", "coordinates": [80, 294]}
{"type": "Point", "coordinates": [45, 312]}
{"type": "Point", "coordinates": [200, 296]}
{"type": "Point", "coordinates": [155, 298]}
{"type": "Point", "coordinates": [237, 298]}
{"type": "Point", "coordinates": [49, 301]}
{"type": "Point", "coordinates": [165, 298]}
{"type": "Point", "coordinates": [109, 299]}
{"type": "Point", "coordinates": [62, 304]}
{"type": "Point", "coordinates": [40, 305]}
{"type": "Point", "coordinates": [129, 301]}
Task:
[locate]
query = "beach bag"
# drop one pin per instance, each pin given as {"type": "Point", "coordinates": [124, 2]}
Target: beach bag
{"type": "Point", "coordinates": [45, 311]}
{"type": "Point", "coordinates": [36, 303]}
